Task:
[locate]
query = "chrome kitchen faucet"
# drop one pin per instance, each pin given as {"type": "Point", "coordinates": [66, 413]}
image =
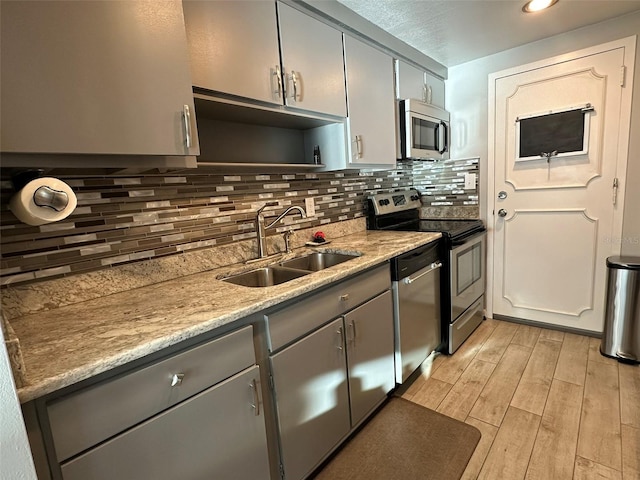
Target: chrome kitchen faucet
{"type": "Point", "coordinates": [262, 247]}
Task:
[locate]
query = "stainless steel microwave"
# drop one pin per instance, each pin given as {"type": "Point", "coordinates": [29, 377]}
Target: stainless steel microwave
{"type": "Point", "coordinates": [424, 131]}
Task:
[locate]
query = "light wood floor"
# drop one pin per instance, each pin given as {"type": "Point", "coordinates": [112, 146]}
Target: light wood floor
{"type": "Point", "coordinates": [548, 404]}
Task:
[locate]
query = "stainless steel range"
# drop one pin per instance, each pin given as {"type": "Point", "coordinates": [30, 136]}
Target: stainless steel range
{"type": "Point", "coordinates": [463, 253]}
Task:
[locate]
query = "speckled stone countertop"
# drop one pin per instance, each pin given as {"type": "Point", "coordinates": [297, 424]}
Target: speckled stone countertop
{"type": "Point", "coordinates": [72, 343]}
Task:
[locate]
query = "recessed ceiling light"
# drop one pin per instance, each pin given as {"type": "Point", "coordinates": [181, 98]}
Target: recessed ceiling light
{"type": "Point", "coordinates": [537, 5]}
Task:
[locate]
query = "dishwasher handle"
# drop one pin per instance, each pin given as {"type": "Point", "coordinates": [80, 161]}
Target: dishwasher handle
{"type": "Point", "coordinates": [410, 280]}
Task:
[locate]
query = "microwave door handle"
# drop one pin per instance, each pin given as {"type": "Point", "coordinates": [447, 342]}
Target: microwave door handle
{"type": "Point", "coordinates": [445, 136]}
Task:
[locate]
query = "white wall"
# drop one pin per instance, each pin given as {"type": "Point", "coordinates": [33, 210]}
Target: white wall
{"type": "Point", "coordinates": [15, 456]}
{"type": "Point", "coordinates": [467, 98]}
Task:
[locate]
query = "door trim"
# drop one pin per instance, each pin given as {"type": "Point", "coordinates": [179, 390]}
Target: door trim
{"type": "Point", "coordinates": [629, 46]}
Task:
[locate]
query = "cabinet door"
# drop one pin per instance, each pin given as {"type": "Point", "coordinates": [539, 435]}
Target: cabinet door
{"type": "Point", "coordinates": [234, 47]}
{"type": "Point", "coordinates": [371, 105]}
{"type": "Point", "coordinates": [370, 354]}
{"type": "Point", "coordinates": [96, 77]}
{"type": "Point", "coordinates": [219, 433]}
{"type": "Point", "coordinates": [312, 63]}
{"type": "Point", "coordinates": [411, 82]}
{"type": "Point", "coordinates": [435, 86]}
{"type": "Point", "coordinates": [310, 382]}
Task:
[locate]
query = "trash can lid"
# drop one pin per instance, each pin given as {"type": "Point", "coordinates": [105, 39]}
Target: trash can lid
{"type": "Point", "coordinates": [625, 262]}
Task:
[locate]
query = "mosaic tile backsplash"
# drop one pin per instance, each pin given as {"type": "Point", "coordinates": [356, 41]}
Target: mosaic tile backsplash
{"type": "Point", "coordinates": [124, 219]}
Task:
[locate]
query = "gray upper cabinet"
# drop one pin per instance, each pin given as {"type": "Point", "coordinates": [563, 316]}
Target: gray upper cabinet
{"type": "Point", "coordinates": [234, 48]}
{"type": "Point", "coordinates": [435, 90]}
{"type": "Point", "coordinates": [370, 94]}
{"type": "Point", "coordinates": [411, 82]}
{"type": "Point", "coordinates": [312, 63]}
{"type": "Point", "coordinates": [98, 77]}
{"type": "Point", "coordinates": [414, 82]}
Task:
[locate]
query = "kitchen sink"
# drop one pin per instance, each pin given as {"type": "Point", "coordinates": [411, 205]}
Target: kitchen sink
{"type": "Point", "coordinates": [266, 277]}
{"type": "Point", "coordinates": [317, 261]}
{"type": "Point", "coordinates": [289, 269]}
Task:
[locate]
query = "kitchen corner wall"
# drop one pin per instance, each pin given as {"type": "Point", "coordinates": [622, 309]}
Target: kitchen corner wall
{"type": "Point", "coordinates": [125, 219]}
{"type": "Point", "coordinates": [467, 98]}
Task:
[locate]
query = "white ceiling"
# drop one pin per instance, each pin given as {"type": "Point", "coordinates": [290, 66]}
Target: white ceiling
{"type": "Point", "coordinates": [457, 31]}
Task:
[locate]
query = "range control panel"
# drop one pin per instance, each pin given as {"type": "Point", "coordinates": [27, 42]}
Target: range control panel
{"type": "Point", "coordinates": [384, 203]}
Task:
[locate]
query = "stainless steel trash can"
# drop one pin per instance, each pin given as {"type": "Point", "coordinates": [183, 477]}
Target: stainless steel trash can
{"type": "Point", "coordinates": [621, 336]}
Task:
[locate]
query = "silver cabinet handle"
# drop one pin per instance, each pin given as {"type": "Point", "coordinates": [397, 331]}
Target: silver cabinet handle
{"type": "Point", "coordinates": [502, 212]}
{"type": "Point", "coordinates": [294, 80]}
{"type": "Point", "coordinates": [434, 266]}
{"type": "Point", "coordinates": [344, 297]}
{"type": "Point", "coordinates": [340, 334]}
{"type": "Point", "coordinates": [256, 398]}
{"type": "Point", "coordinates": [352, 327]}
{"type": "Point", "coordinates": [186, 115]}
{"type": "Point", "coordinates": [176, 379]}
{"type": "Point", "coordinates": [278, 91]}
{"type": "Point", "coordinates": [358, 142]}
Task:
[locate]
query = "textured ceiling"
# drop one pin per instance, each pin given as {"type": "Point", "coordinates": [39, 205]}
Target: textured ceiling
{"type": "Point", "coordinates": [457, 31]}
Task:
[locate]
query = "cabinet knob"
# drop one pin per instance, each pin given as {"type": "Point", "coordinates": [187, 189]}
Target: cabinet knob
{"type": "Point", "coordinates": [344, 297]}
{"type": "Point", "coordinates": [176, 379]}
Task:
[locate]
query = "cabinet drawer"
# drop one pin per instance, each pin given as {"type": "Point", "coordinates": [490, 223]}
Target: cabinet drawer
{"type": "Point", "coordinates": [296, 320]}
{"type": "Point", "coordinates": [80, 420]}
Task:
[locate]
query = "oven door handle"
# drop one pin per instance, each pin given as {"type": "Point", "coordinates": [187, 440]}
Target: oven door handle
{"type": "Point", "coordinates": [434, 266]}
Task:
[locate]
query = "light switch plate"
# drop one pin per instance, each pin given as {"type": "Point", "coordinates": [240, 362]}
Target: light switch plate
{"type": "Point", "coordinates": [310, 206]}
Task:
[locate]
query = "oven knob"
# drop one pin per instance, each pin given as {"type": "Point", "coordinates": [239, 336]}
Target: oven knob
{"type": "Point", "coordinates": [381, 202]}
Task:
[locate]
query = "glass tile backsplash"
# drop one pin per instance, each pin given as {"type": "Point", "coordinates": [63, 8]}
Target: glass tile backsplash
{"type": "Point", "coordinates": [123, 219]}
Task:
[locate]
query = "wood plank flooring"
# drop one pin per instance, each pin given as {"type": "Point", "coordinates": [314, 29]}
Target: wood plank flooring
{"type": "Point", "coordinates": [548, 404]}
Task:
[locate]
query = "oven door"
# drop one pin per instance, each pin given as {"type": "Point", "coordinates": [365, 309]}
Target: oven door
{"type": "Point", "coordinates": [467, 273]}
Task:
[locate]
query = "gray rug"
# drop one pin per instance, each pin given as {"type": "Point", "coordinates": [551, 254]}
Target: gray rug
{"type": "Point", "coordinates": [405, 441]}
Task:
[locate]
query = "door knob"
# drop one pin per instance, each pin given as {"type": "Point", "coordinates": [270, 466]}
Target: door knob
{"type": "Point", "coordinates": [502, 195]}
{"type": "Point", "coordinates": [502, 212]}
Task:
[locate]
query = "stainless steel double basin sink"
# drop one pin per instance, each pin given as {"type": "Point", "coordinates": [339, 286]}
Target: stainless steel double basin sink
{"type": "Point", "coordinates": [288, 270]}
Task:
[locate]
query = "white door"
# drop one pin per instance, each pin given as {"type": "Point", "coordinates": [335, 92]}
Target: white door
{"type": "Point", "coordinates": [555, 220]}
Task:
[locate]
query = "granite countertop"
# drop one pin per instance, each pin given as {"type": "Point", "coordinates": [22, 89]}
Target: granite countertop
{"type": "Point", "coordinates": [72, 343]}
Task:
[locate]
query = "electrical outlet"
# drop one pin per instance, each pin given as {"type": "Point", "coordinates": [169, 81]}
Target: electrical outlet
{"type": "Point", "coordinates": [470, 181]}
{"type": "Point", "coordinates": [310, 207]}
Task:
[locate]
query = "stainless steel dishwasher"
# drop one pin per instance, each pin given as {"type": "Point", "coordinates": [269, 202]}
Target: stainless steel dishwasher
{"type": "Point", "coordinates": [415, 279]}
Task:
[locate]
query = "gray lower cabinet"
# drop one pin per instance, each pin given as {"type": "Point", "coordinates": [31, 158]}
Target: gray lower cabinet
{"type": "Point", "coordinates": [369, 334]}
{"type": "Point", "coordinates": [196, 414]}
{"type": "Point", "coordinates": [312, 398]}
{"type": "Point", "coordinates": [327, 382]}
{"type": "Point", "coordinates": [219, 433]}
